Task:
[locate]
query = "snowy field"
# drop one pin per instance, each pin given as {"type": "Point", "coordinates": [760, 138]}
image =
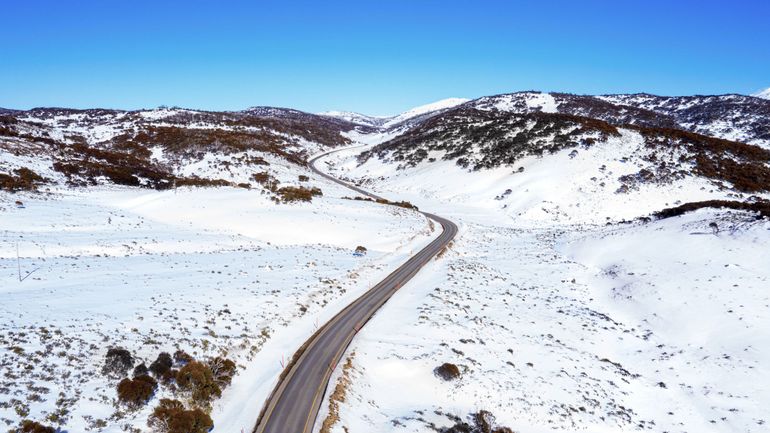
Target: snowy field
{"type": "Point", "coordinates": [220, 271]}
{"type": "Point", "coordinates": [558, 322]}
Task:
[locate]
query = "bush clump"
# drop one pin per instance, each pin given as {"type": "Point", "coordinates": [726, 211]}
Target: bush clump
{"type": "Point", "coordinates": [136, 392]}
{"type": "Point", "coordinates": [21, 179]}
{"type": "Point", "coordinates": [223, 371]}
{"type": "Point", "coordinates": [197, 380]}
{"type": "Point", "coordinates": [117, 362]}
{"type": "Point", "coordinates": [161, 365]}
{"type": "Point", "coordinates": [170, 416]}
{"type": "Point", "coordinates": [447, 371]}
{"type": "Point", "coordinates": [403, 204]}
{"type": "Point", "coordinates": [289, 194]}
{"type": "Point", "coordinates": [28, 426]}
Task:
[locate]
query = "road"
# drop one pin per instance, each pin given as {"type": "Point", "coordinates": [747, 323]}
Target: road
{"type": "Point", "coordinates": [294, 404]}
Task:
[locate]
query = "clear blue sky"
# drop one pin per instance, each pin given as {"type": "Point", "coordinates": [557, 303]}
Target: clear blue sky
{"type": "Point", "coordinates": [376, 57]}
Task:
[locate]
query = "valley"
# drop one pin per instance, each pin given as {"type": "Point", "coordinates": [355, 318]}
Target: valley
{"type": "Point", "coordinates": [563, 303]}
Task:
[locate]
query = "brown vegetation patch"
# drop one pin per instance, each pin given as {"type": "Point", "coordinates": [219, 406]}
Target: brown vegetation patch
{"type": "Point", "coordinates": [290, 194]}
{"type": "Point", "coordinates": [21, 179]}
{"type": "Point", "coordinates": [745, 166]}
{"type": "Point", "coordinates": [170, 416]}
{"type": "Point", "coordinates": [197, 380]}
{"type": "Point", "coordinates": [136, 392]}
{"type": "Point", "coordinates": [338, 396]}
{"type": "Point", "coordinates": [447, 371]}
{"type": "Point", "coordinates": [28, 426]}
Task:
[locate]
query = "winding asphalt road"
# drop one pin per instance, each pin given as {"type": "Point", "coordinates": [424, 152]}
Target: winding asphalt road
{"type": "Point", "coordinates": [294, 404]}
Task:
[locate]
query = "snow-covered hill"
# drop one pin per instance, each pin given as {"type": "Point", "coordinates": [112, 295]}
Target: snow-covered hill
{"type": "Point", "coordinates": [732, 117]}
{"type": "Point", "coordinates": [555, 316]}
{"type": "Point", "coordinates": [402, 120]}
{"type": "Point", "coordinates": [765, 94]}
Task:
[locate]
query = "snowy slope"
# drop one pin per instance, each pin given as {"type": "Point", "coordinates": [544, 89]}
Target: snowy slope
{"type": "Point", "coordinates": [357, 118]}
{"type": "Point", "coordinates": [765, 94]}
{"type": "Point", "coordinates": [388, 122]}
{"type": "Point", "coordinates": [556, 321]}
{"type": "Point", "coordinates": [424, 109]}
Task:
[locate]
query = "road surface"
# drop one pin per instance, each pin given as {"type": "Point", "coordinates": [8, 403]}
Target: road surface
{"type": "Point", "coordinates": [294, 404]}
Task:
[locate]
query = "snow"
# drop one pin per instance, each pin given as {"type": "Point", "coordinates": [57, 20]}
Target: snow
{"type": "Point", "coordinates": [544, 101]}
{"type": "Point", "coordinates": [533, 101]}
{"type": "Point", "coordinates": [424, 109]}
{"type": "Point", "coordinates": [391, 121]}
{"type": "Point", "coordinates": [357, 118]}
{"type": "Point", "coordinates": [765, 94]}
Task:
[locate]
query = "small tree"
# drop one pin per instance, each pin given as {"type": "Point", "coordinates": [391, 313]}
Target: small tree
{"type": "Point", "coordinates": [161, 365]}
{"type": "Point", "coordinates": [223, 370]}
{"type": "Point", "coordinates": [135, 393]}
{"type": "Point", "coordinates": [197, 379]}
{"type": "Point", "coordinates": [117, 362]}
{"type": "Point", "coordinates": [170, 416]}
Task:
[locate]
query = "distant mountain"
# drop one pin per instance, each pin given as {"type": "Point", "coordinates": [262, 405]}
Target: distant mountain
{"type": "Point", "coordinates": [765, 94]}
{"type": "Point", "coordinates": [404, 119]}
{"type": "Point", "coordinates": [423, 110]}
{"type": "Point", "coordinates": [357, 118]}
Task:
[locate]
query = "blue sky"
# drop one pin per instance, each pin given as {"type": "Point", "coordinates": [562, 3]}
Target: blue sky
{"type": "Point", "coordinates": [375, 57]}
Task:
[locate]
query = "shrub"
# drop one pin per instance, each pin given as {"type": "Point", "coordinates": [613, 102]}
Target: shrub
{"type": "Point", "coordinates": [303, 178]}
{"type": "Point", "coordinates": [201, 182]}
{"type": "Point", "coordinates": [117, 362]}
{"type": "Point", "coordinates": [198, 380]}
{"type": "Point", "coordinates": [161, 365]}
{"type": "Point", "coordinates": [403, 204]}
{"type": "Point", "coordinates": [170, 416]}
{"type": "Point", "coordinates": [447, 371]}
{"type": "Point", "coordinates": [135, 393]}
{"type": "Point", "coordinates": [223, 370]}
{"type": "Point", "coordinates": [28, 426]}
{"type": "Point", "coordinates": [291, 194]}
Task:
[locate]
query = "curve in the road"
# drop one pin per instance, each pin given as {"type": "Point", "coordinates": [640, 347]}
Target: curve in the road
{"type": "Point", "coordinates": [294, 404]}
